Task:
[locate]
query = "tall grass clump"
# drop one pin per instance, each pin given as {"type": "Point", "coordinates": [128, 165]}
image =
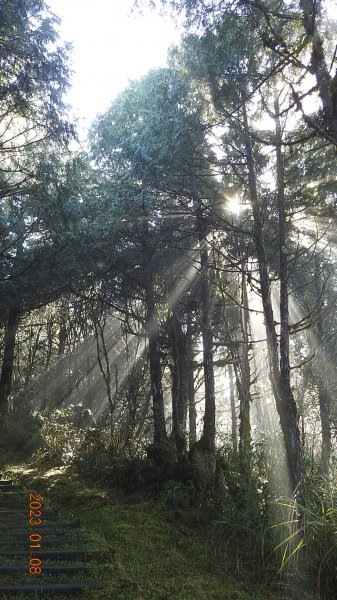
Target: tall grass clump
{"type": "Point", "coordinates": [307, 547]}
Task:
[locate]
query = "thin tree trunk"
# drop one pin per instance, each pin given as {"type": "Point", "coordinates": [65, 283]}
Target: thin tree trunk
{"type": "Point", "coordinates": [233, 411]}
{"type": "Point", "coordinates": [179, 385]}
{"type": "Point", "coordinates": [323, 395]}
{"type": "Point", "coordinates": [324, 409]}
{"type": "Point", "coordinates": [285, 403]}
{"type": "Point", "coordinates": [240, 364]}
{"type": "Point", "coordinates": [49, 344]}
{"type": "Point", "coordinates": [245, 397]}
{"type": "Point", "coordinates": [192, 413]}
{"type": "Point", "coordinates": [289, 403]}
{"type": "Point", "coordinates": [160, 435]}
{"type": "Point", "coordinates": [62, 338]}
{"type": "Point", "coordinates": [105, 370]}
{"type": "Point", "coordinates": [208, 437]}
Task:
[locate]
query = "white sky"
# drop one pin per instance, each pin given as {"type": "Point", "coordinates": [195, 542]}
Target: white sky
{"type": "Point", "coordinates": [110, 46]}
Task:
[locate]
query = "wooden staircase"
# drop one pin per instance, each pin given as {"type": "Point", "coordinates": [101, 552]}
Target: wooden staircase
{"type": "Point", "coordinates": [63, 545]}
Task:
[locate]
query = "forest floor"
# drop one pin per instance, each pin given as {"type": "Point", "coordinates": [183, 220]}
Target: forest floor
{"type": "Point", "coordinates": [153, 552]}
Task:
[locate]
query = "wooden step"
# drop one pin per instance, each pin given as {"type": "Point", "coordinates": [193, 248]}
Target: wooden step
{"type": "Point", "coordinates": [10, 536]}
{"type": "Point", "coordinates": [14, 490]}
{"type": "Point", "coordinates": [47, 569]}
{"type": "Point", "coordinates": [50, 587]}
{"type": "Point", "coordinates": [8, 497]}
{"type": "Point", "coordinates": [15, 504]}
{"type": "Point", "coordinates": [23, 528]}
{"type": "Point", "coordinates": [65, 549]}
{"type": "Point", "coordinates": [47, 512]}
{"type": "Point", "coordinates": [51, 554]}
{"type": "Point", "coordinates": [44, 542]}
{"type": "Point", "coordinates": [22, 499]}
{"type": "Point", "coordinates": [21, 520]}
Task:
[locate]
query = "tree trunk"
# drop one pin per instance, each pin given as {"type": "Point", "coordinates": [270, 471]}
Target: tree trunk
{"type": "Point", "coordinates": [323, 395]}
{"type": "Point", "coordinates": [179, 385]}
{"type": "Point", "coordinates": [208, 437]}
{"type": "Point", "coordinates": [233, 411]}
{"type": "Point", "coordinates": [192, 413]}
{"type": "Point", "coordinates": [62, 338]}
{"type": "Point", "coordinates": [245, 397]}
{"type": "Point", "coordinates": [288, 401]}
{"type": "Point", "coordinates": [160, 435]}
{"type": "Point", "coordinates": [240, 364]}
{"type": "Point", "coordinates": [324, 409]}
{"type": "Point", "coordinates": [284, 400]}
{"type": "Point", "coordinates": [8, 358]}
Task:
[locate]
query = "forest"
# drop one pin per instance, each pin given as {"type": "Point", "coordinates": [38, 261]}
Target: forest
{"type": "Point", "coordinates": [168, 296]}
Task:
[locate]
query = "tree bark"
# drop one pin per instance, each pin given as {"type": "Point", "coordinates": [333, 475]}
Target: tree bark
{"type": "Point", "coordinates": [233, 411]}
{"type": "Point", "coordinates": [288, 401]}
{"type": "Point", "coordinates": [160, 435]}
{"type": "Point", "coordinates": [62, 337]}
{"type": "Point", "coordinates": [179, 385]}
{"type": "Point", "coordinates": [323, 395]}
{"type": "Point", "coordinates": [208, 437]}
{"type": "Point", "coordinates": [245, 397]}
{"type": "Point", "coordinates": [192, 413]}
{"type": "Point", "coordinates": [284, 400]}
{"type": "Point", "coordinates": [8, 358]}
{"type": "Point", "coordinates": [105, 369]}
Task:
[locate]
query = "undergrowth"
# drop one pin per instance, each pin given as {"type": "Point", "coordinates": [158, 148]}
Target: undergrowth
{"type": "Point", "coordinates": [191, 529]}
{"type": "Point", "coordinates": [158, 548]}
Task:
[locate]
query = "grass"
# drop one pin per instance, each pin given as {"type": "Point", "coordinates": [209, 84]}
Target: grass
{"type": "Point", "coordinates": [152, 552]}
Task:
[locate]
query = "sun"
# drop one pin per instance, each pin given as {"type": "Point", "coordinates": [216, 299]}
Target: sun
{"type": "Point", "coordinates": [234, 204]}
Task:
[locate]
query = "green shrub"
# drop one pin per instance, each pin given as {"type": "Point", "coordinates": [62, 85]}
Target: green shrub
{"type": "Point", "coordinates": [61, 438]}
{"type": "Point", "coordinates": [175, 494]}
{"type": "Point", "coordinates": [92, 456]}
{"type": "Point", "coordinates": [20, 436]}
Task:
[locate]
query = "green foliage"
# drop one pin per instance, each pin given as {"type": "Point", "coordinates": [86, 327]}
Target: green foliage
{"type": "Point", "coordinates": [20, 434]}
{"type": "Point", "coordinates": [242, 501]}
{"type": "Point", "coordinates": [34, 72]}
{"type": "Point", "coordinates": [59, 433]}
{"type": "Point", "coordinates": [93, 457]}
{"type": "Point", "coordinates": [143, 474]}
{"type": "Point", "coordinates": [175, 494]}
{"type": "Point", "coordinates": [308, 535]}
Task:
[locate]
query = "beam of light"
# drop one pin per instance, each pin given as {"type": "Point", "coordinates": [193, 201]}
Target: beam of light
{"type": "Point", "coordinates": [90, 388]}
{"type": "Point", "coordinates": [265, 419]}
{"type": "Point", "coordinates": [316, 234]}
{"type": "Point", "coordinates": [53, 379]}
{"type": "Point", "coordinates": [121, 364]}
{"type": "Point", "coordinates": [311, 350]}
{"type": "Point", "coordinates": [186, 281]}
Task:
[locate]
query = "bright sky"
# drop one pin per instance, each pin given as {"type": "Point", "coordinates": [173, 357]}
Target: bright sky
{"type": "Point", "coordinates": [110, 46]}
